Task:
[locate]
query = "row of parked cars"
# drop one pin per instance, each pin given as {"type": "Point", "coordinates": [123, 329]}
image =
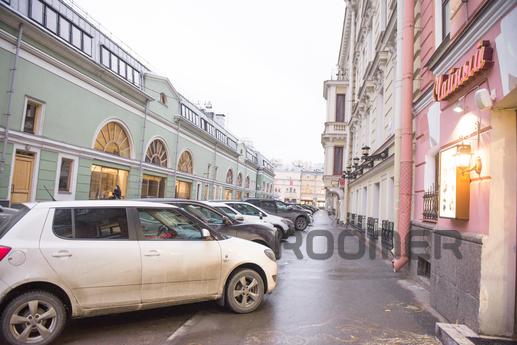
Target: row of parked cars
{"type": "Point", "coordinates": [62, 260]}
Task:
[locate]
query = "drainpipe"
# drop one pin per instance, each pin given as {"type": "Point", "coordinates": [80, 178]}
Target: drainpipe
{"type": "Point", "coordinates": [406, 136]}
{"type": "Point", "coordinates": [142, 148]}
{"type": "Point", "coordinates": [178, 128]}
{"type": "Point", "coordinates": [12, 84]}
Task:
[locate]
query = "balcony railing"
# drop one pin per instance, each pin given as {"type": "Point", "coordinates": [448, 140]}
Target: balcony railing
{"type": "Point", "coordinates": [387, 234]}
{"type": "Point", "coordinates": [372, 228]}
{"type": "Point", "coordinates": [430, 213]}
{"type": "Point", "coordinates": [360, 223]}
{"type": "Point", "coordinates": [352, 219]}
{"type": "Point", "coordinates": [337, 128]}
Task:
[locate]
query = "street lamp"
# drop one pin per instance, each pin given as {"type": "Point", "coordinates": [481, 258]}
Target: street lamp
{"type": "Point", "coordinates": [366, 150]}
{"type": "Point", "coordinates": [356, 161]}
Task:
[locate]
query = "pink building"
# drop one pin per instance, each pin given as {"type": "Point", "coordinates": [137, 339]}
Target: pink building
{"type": "Point", "coordinates": [465, 160]}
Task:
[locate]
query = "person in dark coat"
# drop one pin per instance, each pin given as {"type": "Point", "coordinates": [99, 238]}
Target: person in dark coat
{"type": "Point", "coordinates": [117, 193]}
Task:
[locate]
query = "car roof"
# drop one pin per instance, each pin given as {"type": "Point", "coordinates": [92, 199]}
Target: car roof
{"type": "Point", "coordinates": [96, 203]}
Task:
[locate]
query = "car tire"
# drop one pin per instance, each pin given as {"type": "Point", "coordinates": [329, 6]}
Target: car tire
{"type": "Point", "coordinates": [283, 234]}
{"type": "Point", "coordinates": [301, 223]}
{"type": "Point", "coordinates": [240, 297]}
{"type": "Point", "coordinates": [35, 317]}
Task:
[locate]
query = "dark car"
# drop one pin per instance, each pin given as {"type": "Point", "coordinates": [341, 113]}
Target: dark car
{"type": "Point", "coordinates": [219, 222]}
{"type": "Point", "coordinates": [301, 218]}
{"type": "Point", "coordinates": [310, 208]}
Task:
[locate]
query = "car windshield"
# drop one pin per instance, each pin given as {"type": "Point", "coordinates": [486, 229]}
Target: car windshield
{"type": "Point", "coordinates": [167, 224]}
{"type": "Point", "coordinates": [246, 209]}
{"type": "Point", "coordinates": [281, 206]}
{"type": "Point", "coordinates": [9, 217]}
{"type": "Point", "coordinates": [228, 211]}
{"type": "Point", "coordinates": [204, 213]}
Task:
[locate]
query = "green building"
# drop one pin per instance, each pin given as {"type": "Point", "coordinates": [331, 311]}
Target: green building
{"type": "Point", "coordinates": [81, 115]}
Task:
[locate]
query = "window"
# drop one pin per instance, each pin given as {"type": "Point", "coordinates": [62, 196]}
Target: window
{"type": "Point", "coordinates": [76, 37]}
{"type": "Point", "coordinates": [65, 175]}
{"type": "Point", "coordinates": [87, 44]}
{"type": "Point", "coordinates": [247, 184]}
{"type": "Point", "coordinates": [157, 154]}
{"type": "Point", "coordinates": [163, 98]}
{"type": "Point", "coordinates": [227, 211]}
{"type": "Point", "coordinates": [228, 194]}
{"type": "Point", "coordinates": [153, 186]}
{"type": "Point", "coordinates": [113, 139]}
{"type": "Point", "coordinates": [269, 206]}
{"type": "Point", "coordinates": [183, 189]}
{"type": "Point", "coordinates": [246, 209]}
{"type": "Point", "coordinates": [116, 64]}
{"type": "Point", "coordinates": [105, 57]}
{"type": "Point", "coordinates": [36, 11]}
{"type": "Point", "coordinates": [91, 223]}
{"type": "Point", "coordinates": [64, 29]}
{"type": "Point", "coordinates": [204, 213]}
{"type": "Point", "coordinates": [104, 181]}
{"type": "Point", "coordinates": [229, 176]}
{"type": "Point", "coordinates": [338, 161]}
{"type": "Point", "coordinates": [185, 163]}
{"type": "Point", "coordinates": [281, 207]}
{"type": "Point", "coordinates": [446, 18]}
{"type": "Point", "coordinates": [340, 108]}
{"type": "Point", "coordinates": [239, 180]}
{"type": "Point", "coordinates": [166, 224]}
{"type": "Point", "coordinates": [51, 19]}
{"type": "Point", "coordinates": [32, 117]}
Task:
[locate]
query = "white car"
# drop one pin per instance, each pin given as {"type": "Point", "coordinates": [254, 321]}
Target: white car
{"type": "Point", "coordinates": [282, 224]}
{"type": "Point", "coordinates": [83, 258]}
{"type": "Point", "coordinates": [234, 214]}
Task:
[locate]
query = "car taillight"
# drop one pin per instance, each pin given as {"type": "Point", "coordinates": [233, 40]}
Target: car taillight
{"type": "Point", "coordinates": [3, 252]}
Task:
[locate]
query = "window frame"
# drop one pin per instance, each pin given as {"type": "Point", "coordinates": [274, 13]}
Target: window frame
{"type": "Point", "coordinates": [446, 21]}
{"type": "Point", "coordinates": [69, 176]}
{"type": "Point", "coordinates": [131, 230]}
{"type": "Point", "coordinates": [39, 115]}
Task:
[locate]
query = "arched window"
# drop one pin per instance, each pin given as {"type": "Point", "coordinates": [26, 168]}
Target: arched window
{"type": "Point", "coordinates": [247, 185]}
{"type": "Point", "coordinates": [185, 163]}
{"type": "Point", "coordinates": [229, 176]}
{"type": "Point", "coordinates": [113, 139]}
{"type": "Point", "coordinates": [156, 153]}
{"type": "Point", "coordinates": [239, 180]}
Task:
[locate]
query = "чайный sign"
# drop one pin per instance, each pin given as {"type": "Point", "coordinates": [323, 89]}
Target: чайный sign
{"type": "Point", "coordinates": [447, 84]}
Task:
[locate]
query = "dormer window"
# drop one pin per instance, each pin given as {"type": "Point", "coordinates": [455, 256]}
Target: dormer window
{"type": "Point", "coordinates": [163, 98]}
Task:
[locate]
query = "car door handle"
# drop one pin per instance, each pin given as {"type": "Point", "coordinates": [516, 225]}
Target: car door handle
{"type": "Point", "coordinates": [62, 254]}
{"type": "Point", "coordinates": [152, 253]}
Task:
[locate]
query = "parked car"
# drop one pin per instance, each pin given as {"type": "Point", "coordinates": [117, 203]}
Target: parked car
{"type": "Point", "coordinates": [310, 208]}
{"type": "Point", "coordinates": [284, 225]}
{"type": "Point", "coordinates": [300, 218]}
{"type": "Point", "coordinates": [82, 258]}
{"type": "Point", "coordinates": [236, 215]}
{"type": "Point", "coordinates": [218, 221]}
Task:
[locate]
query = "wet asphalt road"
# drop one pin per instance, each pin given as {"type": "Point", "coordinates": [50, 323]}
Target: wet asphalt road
{"type": "Point", "coordinates": [333, 301]}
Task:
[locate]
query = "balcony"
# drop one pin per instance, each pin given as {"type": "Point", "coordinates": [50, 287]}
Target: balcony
{"type": "Point", "coordinates": [387, 234]}
{"type": "Point", "coordinates": [335, 132]}
{"type": "Point", "coordinates": [430, 213]}
{"type": "Point", "coordinates": [372, 228]}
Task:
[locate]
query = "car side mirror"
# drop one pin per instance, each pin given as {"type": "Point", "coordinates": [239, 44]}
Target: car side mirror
{"type": "Point", "coordinates": [227, 221]}
{"type": "Point", "coordinates": [239, 217]}
{"type": "Point", "coordinates": [206, 234]}
{"type": "Point", "coordinates": [262, 215]}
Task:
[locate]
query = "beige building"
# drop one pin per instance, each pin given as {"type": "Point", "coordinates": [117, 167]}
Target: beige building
{"type": "Point", "coordinates": [312, 188]}
{"type": "Point", "coordinates": [287, 185]}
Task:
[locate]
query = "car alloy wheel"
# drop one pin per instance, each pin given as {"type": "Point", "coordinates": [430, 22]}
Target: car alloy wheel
{"type": "Point", "coordinates": [33, 318]}
{"type": "Point", "coordinates": [245, 291]}
{"type": "Point", "coordinates": [301, 223]}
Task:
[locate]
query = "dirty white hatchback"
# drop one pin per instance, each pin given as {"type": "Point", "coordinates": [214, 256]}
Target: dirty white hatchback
{"type": "Point", "coordinates": [83, 258]}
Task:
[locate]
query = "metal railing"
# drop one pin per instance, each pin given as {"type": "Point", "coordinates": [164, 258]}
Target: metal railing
{"type": "Point", "coordinates": [387, 234]}
{"type": "Point", "coordinates": [352, 219]}
{"type": "Point", "coordinates": [430, 213]}
{"type": "Point", "coordinates": [360, 223]}
{"type": "Point", "coordinates": [372, 228]}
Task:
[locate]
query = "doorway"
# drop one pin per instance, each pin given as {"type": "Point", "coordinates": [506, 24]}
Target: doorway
{"type": "Point", "coordinates": [21, 185]}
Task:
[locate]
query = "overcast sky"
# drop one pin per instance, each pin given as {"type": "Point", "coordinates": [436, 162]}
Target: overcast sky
{"type": "Point", "coordinates": [262, 63]}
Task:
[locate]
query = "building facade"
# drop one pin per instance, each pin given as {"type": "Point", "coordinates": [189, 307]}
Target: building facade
{"type": "Point", "coordinates": [359, 137]}
{"type": "Point", "coordinates": [288, 185]}
{"type": "Point", "coordinates": [84, 116]}
{"type": "Point", "coordinates": [465, 159]}
{"type": "Point", "coordinates": [312, 188]}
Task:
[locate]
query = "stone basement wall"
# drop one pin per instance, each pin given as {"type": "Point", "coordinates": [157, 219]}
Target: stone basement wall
{"type": "Point", "coordinates": [455, 279]}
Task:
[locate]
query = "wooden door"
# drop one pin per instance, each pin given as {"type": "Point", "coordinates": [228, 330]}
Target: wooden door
{"type": "Point", "coordinates": [22, 178]}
